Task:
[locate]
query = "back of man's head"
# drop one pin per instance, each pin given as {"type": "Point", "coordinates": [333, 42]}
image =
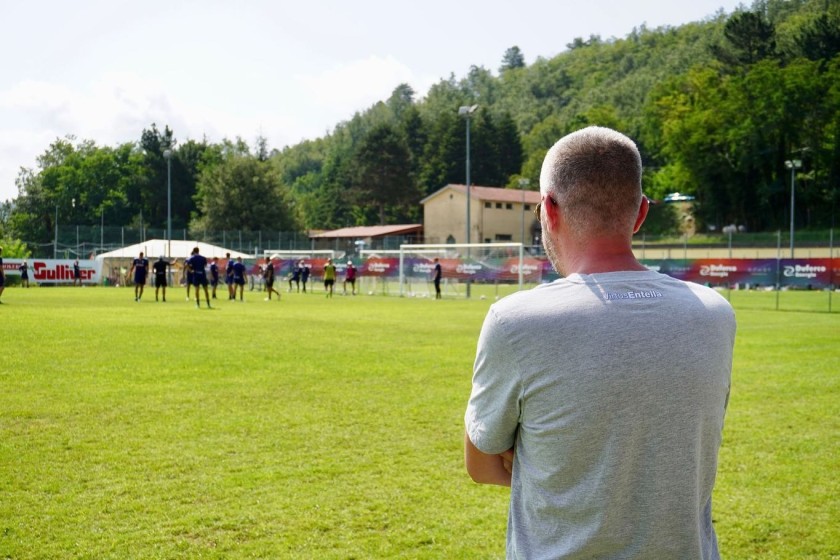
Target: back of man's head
{"type": "Point", "coordinates": [595, 176]}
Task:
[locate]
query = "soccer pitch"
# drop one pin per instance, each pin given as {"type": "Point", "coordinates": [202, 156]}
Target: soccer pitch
{"type": "Point", "coordinates": [332, 428]}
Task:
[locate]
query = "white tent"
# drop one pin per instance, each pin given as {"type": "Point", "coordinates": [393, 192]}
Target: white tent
{"type": "Point", "coordinates": [153, 248]}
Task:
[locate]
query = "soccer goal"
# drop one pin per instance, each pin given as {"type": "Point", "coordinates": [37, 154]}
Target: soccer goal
{"type": "Point", "coordinates": [296, 255]}
{"type": "Point", "coordinates": [464, 266]}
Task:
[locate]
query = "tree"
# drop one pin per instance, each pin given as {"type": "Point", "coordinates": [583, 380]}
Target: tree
{"type": "Point", "coordinates": [401, 100]}
{"type": "Point", "coordinates": [241, 193]}
{"type": "Point", "coordinates": [749, 39]}
{"type": "Point", "coordinates": [78, 181]}
{"type": "Point", "coordinates": [819, 39]}
{"type": "Point", "coordinates": [510, 150]}
{"type": "Point", "coordinates": [513, 58]}
{"type": "Point", "coordinates": [149, 196]}
{"type": "Point", "coordinates": [383, 175]}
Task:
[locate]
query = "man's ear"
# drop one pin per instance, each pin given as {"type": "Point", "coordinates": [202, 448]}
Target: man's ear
{"type": "Point", "coordinates": [552, 214]}
{"type": "Point", "coordinates": [643, 212]}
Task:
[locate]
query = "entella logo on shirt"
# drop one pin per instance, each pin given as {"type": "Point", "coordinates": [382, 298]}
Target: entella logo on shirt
{"type": "Point", "coordinates": [632, 294]}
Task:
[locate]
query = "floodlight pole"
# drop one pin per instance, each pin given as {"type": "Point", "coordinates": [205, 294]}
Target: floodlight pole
{"type": "Point", "coordinates": [523, 184]}
{"type": "Point", "coordinates": [465, 111]}
{"type": "Point", "coordinates": [793, 165]}
{"type": "Point", "coordinates": [168, 155]}
{"type": "Point", "coordinates": [55, 243]}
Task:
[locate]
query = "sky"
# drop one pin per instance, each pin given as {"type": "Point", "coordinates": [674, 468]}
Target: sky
{"type": "Point", "coordinates": [104, 70]}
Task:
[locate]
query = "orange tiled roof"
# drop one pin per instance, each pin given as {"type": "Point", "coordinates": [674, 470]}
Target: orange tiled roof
{"type": "Point", "coordinates": [492, 194]}
{"type": "Point", "coordinates": [370, 231]}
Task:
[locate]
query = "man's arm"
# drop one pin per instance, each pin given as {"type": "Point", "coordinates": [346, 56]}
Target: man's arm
{"type": "Point", "coordinates": [487, 469]}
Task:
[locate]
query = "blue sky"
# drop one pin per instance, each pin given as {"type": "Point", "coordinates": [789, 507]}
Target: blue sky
{"type": "Point", "coordinates": [105, 69]}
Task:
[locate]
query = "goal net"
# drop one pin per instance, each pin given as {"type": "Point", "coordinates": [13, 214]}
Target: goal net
{"type": "Point", "coordinates": [480, 269]}
{"type": "Point", "coordinates": [289, 259]}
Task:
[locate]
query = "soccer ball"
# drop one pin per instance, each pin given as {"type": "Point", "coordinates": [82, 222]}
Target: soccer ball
{"type": "Point", "coordinates": [370, 293]}
{"type": "Point", "coordinates": [483, 297]}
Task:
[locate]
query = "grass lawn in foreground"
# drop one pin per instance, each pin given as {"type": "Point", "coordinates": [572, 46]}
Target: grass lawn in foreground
{"type": "Point", "coordinates": [317, 428]}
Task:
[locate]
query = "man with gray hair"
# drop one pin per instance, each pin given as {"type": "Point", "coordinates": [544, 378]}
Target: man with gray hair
{"type": "Point", "coordinates": [599, 398]}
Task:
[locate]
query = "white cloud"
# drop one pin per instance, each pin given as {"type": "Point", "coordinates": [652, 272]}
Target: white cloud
{"type": "Point", "coordinates": [357, 85]}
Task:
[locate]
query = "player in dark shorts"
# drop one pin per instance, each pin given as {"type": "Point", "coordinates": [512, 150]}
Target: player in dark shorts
{"type": "Point", "coordinates": [294, 278]}
{"type": "Point", "coordinates": [229, 277]}
{"type": "Point", "coordinates": [304, 274]}
{"type": "Point", "coordinates": [329, 277]}
{"type": "Point", "coordinates": [24, 274]}
{"type": "Point", "coordinates": [214, 275]}
{"type": "Point", "coordinates": [161, 268]}
{"type": "Point", "coordinates": [268, 276]}
{"type": "Point", "coordinates": [77, 272]}
{"type": "Point", "coordinates": [239, 279]}
{"type": "Point", "coordinates": [189, 273]}
{"type": "Point", "coordinates": [350, 277]}
{"type": "Point", "coordinates": [198, 264]}
{"type": "Point", "coordinates": [140, 268]}
{"type": "Point", "coordinates": [438, 274]}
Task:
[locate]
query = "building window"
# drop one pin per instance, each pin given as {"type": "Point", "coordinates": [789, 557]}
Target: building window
{"type": "Point", "coordinates": [498, 205]}
{"type": "Point", "coordinates": [503, 237]}
{"type": "Point", "coordinates": [527, 208]}
{"type": "Point", "coordinates": [509, 206]}
{"type": "Point", "coordinates": [488, 205]}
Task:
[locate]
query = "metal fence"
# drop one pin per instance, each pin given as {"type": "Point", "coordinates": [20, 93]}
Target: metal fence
{"type": "Point", "coordinates": [77, 241]}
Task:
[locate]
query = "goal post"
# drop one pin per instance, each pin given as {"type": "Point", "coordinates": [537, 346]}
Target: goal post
{"type": "Point", "coordinates": [289, 259]}
{"type": "Point", "coordinates": [465, 263]}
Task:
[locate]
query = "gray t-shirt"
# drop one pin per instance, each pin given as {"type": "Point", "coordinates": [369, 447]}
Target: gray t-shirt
{"type": "Point", "coordinates": [612, 388]}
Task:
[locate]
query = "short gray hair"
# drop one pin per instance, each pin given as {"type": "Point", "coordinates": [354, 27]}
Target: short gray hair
{"type": "Point", "coordinates": [595, 176]}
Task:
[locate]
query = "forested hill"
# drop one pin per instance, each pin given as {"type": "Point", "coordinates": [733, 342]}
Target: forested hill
{"type": "Point", "coordinates": [717, 108]}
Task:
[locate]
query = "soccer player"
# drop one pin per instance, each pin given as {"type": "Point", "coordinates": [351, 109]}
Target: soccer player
{"type": "Point", "coordinates": [438, 273]}
{"type": "Point", "coordinates": [294, 277]}
{"type": "Point", "coordinates": [350, 276]}
{"type": "Point", "coordinates": [229, 277]}
{"type": "Point", "coordinates": [268, 276]}
{"type": "Point", "coordinates": [239, 279]}
{"type": "Point", "coordinates": [198, 264]}
{"type": "Point", "coordinates": [24, 274]}
{"type": "Point", "coordinates": [304, 274]}
{"type": "Point", "coordinates": [329, 277]}
{"type": "Point", "coordinates": [188, 271]}
{"type": "Point", "coordinates": [161, 268]}
{"type": "Point", "coordinates": [140, 268]}
{"type": "Point", "coordinates": [214, 275]}
{"type": "Point", "coordinates": [599, 398]}
{"type": "Point", "coordinates": [77, 273]}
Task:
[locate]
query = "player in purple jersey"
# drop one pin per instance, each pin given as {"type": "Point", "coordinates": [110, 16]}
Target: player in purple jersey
{"type": "Point", "coordinates": [229, 276]}
{"type": "Point", "coordinates": [214, 275]}
{"type": "Point", "coordinates": [198, 264]}
{"type": "Point", "coordinates": [239, 278]}
{"type": "Point", "coordinates": [140, 268]}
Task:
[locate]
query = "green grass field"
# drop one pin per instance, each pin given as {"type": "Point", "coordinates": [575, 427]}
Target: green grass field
{"type": "Point", "coordinates": [315, 428]}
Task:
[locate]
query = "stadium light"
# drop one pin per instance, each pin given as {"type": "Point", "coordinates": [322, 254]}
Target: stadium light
{"type": "Point", "coordinates": [793, 165]}
{"type": "Point", "coordinates": [523, 184]}
{"type": "Point", "coordinates": [55, 242]}
{"type": "Point", "coordinates": [465, 111]}
{"type": "Point", "coordinates": [168, 155]}
{"type": "Point", "coordinates": [73, 204]}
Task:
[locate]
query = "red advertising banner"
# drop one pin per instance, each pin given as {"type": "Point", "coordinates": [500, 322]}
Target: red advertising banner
{"type": "Point", "coordinates": [55, 271]}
